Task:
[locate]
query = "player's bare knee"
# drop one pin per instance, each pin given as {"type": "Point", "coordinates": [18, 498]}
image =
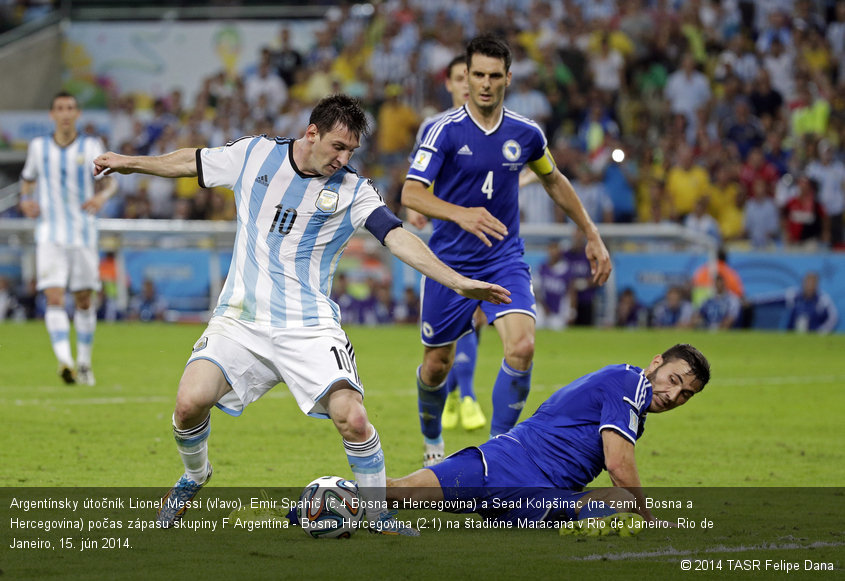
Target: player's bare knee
{"type": "Point", "coordinates": [435, 369]}
{"type": "Point", "coordinates": [520, 353]}
{"type": "Point", "coordinates": [190, 410]}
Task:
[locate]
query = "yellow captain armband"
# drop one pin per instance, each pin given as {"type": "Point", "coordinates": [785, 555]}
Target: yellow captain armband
{"type": "Point", "coordinates": [543, 166]}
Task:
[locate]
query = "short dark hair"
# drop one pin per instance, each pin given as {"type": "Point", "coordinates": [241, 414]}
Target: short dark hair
{"type": "Point", "coordinates": [698, 363]}
{"type": "Point", "coordinates": [461, 59]}
{"type": "Point", "coordinates": [492, 46]}
{"type": "Point", "coordinates": [342, 110]}
{"type": "Point", "coordinates": [63, 95]}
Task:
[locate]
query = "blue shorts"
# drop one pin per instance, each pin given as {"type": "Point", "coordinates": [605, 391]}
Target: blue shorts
{"type": "Point", "coordinates": [446, 316]}
{"type": "Point", "coordinates": [505, 483]}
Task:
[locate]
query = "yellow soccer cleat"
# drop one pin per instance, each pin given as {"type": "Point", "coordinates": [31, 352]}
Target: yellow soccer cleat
{"type": "Point", "coordinates": [472, 417]}
{"type": "Point", "coordinates": [449, 420]}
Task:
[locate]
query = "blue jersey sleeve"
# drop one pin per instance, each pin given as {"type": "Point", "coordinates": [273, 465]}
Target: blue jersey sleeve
{"type": "Point", "coordinates": [430, 155]}
{"type": "Point", "coordinates": [625, 401]}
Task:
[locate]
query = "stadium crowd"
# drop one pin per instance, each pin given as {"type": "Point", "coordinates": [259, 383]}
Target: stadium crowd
{"type": "Point", "coordinates": [726, 116]}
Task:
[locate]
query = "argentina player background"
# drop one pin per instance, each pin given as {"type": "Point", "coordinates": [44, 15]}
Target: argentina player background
{"type": "Point", "coordinates": [58, 188]}
{"type": "Point", "coordinates": [298, 204]}
{"type": "Point", "coordinates": [473, 157]}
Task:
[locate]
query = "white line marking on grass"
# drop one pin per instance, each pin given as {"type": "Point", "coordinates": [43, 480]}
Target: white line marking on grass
{"type": "Point", "coordinates": [671, 552]}
{"type": "Point", "coordinates": [157, 399]}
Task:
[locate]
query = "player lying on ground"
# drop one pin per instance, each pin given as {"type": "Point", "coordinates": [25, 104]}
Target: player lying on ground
{"type": "Point", "coordinates": [587, 426]}
{"type": "Point", "coordinates": [298, 204]}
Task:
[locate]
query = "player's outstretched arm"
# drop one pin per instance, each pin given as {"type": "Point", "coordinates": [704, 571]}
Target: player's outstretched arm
{"type": "Point", "coordinates": [561, 191]}
{"type": "Point", "coordinates": [622, 467]}
{"type": "Point", "coordinates": [181, 163]}
{"type": "Point", "coordinates": [412, 251]}
{"type": "Point", "coordinates": [478, 220]}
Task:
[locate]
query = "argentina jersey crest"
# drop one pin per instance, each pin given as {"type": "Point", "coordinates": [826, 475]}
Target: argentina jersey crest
{"type": "Point", "coordinates": [327, 201]}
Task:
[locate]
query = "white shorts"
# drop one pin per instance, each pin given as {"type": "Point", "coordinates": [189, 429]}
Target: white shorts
{"type": "Point", "coordinates": [75, 268]}
{"type": "Point", "coordinates": [255, 358]}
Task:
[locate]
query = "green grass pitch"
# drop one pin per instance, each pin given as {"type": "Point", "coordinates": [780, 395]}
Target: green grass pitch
{"type": "Point", "coordinates": [759, 453]}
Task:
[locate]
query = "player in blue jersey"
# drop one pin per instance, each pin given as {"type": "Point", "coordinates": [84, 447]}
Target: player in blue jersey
{"type": "Point", "coordinates": [590, 425]}
{"type": "Point", "coordinates": [473, 157]}
{"type": "Point", "coordinates": [298, 204]}
{"type": "Point", "coordinates": [58, 188]}
{"type": "Point", "coordinates": [461, 404]}
{"type": "Point", "coordinates": [810, 309]}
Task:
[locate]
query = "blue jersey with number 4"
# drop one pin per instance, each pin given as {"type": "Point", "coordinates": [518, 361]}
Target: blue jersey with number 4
{"type": "Point", "coordinates": [471, 167]}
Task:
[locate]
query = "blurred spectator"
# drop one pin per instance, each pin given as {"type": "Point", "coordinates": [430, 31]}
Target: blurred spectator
{"type": "Point", "coordinates": [286, 60]}
{"type": "Point", "coordinates": [703, 283]}
{"type": "Point", "coordinates": [396, 127]}
{"type": "Point", "coordinates": [701, 222]}
{"type": "Point", "coordinates": [265, 91]}
{"type": "Point", "coordinates": [744, 131]}
{"type": "Point", "coordinates": [147, 306]}
{"type": "Point", "coordinates": [686, 182]}
{"type": "Point", "coordinates": [593, 194]}
{"type": "Point", "coordinates": [810, 309]}
{"type": "Point", "coordinates": [630, 313]}
{"type": "Point", "coordinates": [762, 221]}
{"type": "Point", "coordinates": [32, 303]}
{"type": "Point", "coordinates": [673, 310]}
{"type": "Point", "coordinates": [721, 311]}
{"type": "Point", "coordinates": [108, 308]}
{"type": "Point", "coordinates": [8, 300]}
{"type": "Point", "coordinates": [829, 173]}
{"type": "Point", "coordinates": [804, 219]}
{"type": "Point", "coordinates": [756, 168]}
{"type": "Point", "coordinates": [725, 202]}
{"type": "Point", "coordinates": [408, 311]}
{"type": "Point", "coordinates": [348, 304]}
{"type": "Point", "coordinates": [553, 290]}
{"type": "Point", "coordinates": [580, 279]}
{"type": "Point", "coordinates": [687, 90]}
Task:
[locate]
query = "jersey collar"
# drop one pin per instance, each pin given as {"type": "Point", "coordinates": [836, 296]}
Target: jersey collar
{"type": "Point", "coordinates": [477, 124]}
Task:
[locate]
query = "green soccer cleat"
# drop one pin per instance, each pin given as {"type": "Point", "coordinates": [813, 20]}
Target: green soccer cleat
{"type": "Point", "coordinates": [623, 524]}
{"type": "Point", "coordinates": [449, 419]}
{"type": "Point", "coordinates": [472, 417]}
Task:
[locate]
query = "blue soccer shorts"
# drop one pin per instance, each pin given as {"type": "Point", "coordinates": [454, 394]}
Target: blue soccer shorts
{"type": "Point", "coordinates": [505, 484]}
{"type": "Point", "coordinates": [447, 316]}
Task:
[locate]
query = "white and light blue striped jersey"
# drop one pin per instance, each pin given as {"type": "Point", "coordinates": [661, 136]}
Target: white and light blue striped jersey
{"type": "Point", "coordinates": [64, 179]}
{"type": "Point", "coordinates": [292, 230]}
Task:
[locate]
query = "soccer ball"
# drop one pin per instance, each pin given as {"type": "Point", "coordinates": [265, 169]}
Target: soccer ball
{"type": "Point", "coordinates": [330, 508]}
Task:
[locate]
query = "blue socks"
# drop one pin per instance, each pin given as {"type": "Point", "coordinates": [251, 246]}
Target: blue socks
{"type": "Point", "coordinates": [509, 394]}
{"type": "Point", "coordinates": [430, 402]}
{"type": "Point", "coordinates": [462, 373]}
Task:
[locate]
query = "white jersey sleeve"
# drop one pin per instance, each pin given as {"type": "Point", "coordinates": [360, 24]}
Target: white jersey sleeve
{"type": "Point", "coordinates": [367, 199]}
{"type": "Point", "coordinates": [30, 170]}
{"type": "Point", "coordinates": [221, 166]}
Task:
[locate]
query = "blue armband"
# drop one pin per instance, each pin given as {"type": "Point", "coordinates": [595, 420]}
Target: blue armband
{"type": "Point", "coordinates": [382, 221]}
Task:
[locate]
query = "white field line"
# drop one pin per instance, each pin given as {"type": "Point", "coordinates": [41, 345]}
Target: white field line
{"type": "Point", "coordinates": [671, 552]}
{"type": "Point", "coordinates": [281, 392]}
{"type": "Point", "coordinates": [156, 399]}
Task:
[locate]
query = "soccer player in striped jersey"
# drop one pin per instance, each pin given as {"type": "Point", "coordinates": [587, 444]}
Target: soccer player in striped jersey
{"type": "Point", "coordinates": [538, 470]}
{"type": "Point", "coordinates": [474, 156]}
{"type": "Point", "coordinates": [298, 204]}
{"type": "Point", "coordinates": [59, 189]}
{"type": "Point", "coordinates": [461, 403]}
